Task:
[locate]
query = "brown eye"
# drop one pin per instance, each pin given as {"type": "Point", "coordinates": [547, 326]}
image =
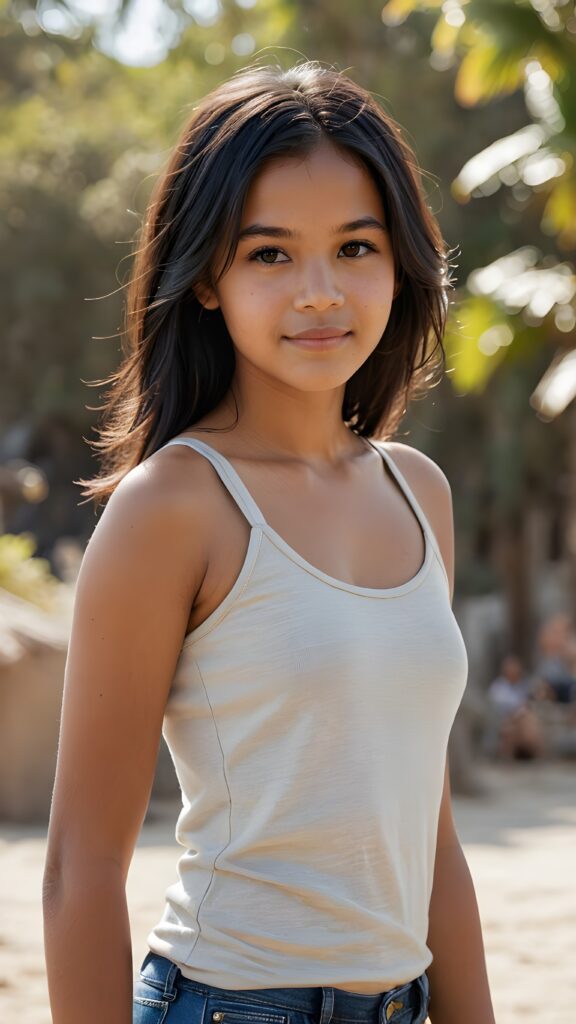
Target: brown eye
{"type": "Point", "coordinates": [356, 246]}
{"type": "Point", "coordinates": [261, 256]}
{"type": "Point", "coordinates": [351, 245]}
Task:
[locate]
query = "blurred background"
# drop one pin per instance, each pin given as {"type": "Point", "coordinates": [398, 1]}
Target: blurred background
{"type": "Point", "coordinates": [93, 94]}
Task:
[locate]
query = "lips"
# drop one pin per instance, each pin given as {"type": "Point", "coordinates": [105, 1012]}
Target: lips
{"type": "Point", "coordinates": [320, 332]}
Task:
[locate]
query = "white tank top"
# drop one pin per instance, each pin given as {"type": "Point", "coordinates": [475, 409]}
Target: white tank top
{"type": "Point", "coordinates": [308, 721]}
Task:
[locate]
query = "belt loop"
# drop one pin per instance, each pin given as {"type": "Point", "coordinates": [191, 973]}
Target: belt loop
{"type": "Point", "coordinates": [170, 992]}
{"type": "Point", "coordinates": [424, 982]}
{"type": "Point", "coordinates": [327, 1005]}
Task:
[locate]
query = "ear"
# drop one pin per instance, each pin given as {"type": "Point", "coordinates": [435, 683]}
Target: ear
{"type": "Point", "coordinates": [206, 296]}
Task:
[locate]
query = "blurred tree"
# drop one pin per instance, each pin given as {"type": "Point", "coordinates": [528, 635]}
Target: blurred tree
{"type": "Point", "coordinates": [500, 48]}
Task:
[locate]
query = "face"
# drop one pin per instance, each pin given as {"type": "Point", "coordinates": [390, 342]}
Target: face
{"type": "Point", "coordinates": [305, 264]}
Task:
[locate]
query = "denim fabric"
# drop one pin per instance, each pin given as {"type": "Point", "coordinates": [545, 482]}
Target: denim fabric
{"type": "Point", "coordinates": [162, 993]}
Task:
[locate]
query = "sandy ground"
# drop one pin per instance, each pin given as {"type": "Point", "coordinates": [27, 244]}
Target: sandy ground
{"type": "Point", "coordinates": [520, 843]}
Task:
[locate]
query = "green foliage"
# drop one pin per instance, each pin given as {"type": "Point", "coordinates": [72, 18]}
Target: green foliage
{"type": "Point", "coordinates": [559, 215]}
{"type": "Point", "coordinates": [468, 367]}
{"type": "Point", "coordinates": [23, 574]}
{"type": "Point", "coordinates": [498, 40]}
{"type": "Point", "coordinates": [498, 48]}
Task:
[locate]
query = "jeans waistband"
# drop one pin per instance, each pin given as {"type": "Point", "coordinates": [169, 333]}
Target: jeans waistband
{"type": "Point", "coordinates": [325, 1002]}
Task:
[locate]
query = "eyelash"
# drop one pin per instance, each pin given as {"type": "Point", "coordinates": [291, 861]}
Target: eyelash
{"type": "Point", "coordinates": [253, 257]}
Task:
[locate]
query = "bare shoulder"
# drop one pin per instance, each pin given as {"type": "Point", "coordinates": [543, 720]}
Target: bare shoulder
{"type": "Point", "coordinates": [420, 470]}
{"type": "Point", "coordinates": [168, 498]}
{"type": "Point", "coordinates": [433, 492]}
{"type": "Point", "coordinates": [154, 518]}
{"type": "Point", "coordinates": [169, 482]}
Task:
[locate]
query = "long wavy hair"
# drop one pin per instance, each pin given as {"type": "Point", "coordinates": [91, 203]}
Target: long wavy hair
{"type": "Point", "coordinates": [178, 357]}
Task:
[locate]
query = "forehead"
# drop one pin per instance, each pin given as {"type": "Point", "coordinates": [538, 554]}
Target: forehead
{"type": "Point", "coordinates": [328, 184]}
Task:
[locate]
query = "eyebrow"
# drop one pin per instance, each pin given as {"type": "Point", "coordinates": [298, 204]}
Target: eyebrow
{"type": "Point", "coordinates": [256, 230]}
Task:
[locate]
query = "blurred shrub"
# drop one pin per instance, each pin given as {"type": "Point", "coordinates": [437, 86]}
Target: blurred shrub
{"type": "Point", "coordinates": [23, 574]}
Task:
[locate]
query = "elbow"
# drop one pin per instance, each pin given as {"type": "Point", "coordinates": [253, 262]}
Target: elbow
{"type": "Point", "coordinates": [55, 892]}
{"type": "Point", "coordinates": [66, 880]}
{"type": "Point", "coordinates": [51, 880]}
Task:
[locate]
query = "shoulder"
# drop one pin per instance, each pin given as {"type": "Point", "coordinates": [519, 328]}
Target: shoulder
{"type": "Point", "coordinates": [433, 492]}
{"type": "Point", "coordinates": [420, 470]}
{"type": "Point", "coordinates": [158, 514]}
{"type": "Point", "coordinates": [167, 487]}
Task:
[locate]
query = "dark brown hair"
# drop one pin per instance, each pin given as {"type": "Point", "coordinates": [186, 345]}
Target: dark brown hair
{"type": "Point", "coordinates": [179, 358]}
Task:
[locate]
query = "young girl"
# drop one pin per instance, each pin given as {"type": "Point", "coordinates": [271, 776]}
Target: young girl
{"type": "Point", "coordinates": [270, 586]}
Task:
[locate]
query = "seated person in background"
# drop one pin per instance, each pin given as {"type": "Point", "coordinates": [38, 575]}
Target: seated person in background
{"type": "Point", "coordinates": [517, 731]}
{"type": "Point", "coordinates": [556, 665]}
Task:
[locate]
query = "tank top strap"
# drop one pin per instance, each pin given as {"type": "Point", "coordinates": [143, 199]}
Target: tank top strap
{"type": "Point", "coordinates": [229, 477]}
{"type": "Point", "coordinates": [413, 501]}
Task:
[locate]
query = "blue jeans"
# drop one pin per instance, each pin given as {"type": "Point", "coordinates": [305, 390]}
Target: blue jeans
{"type": "Point", "coordinates": [162, 993]}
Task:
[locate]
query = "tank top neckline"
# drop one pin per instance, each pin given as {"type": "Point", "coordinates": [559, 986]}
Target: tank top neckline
{"type": "Point", "coordinates": [257, 522]}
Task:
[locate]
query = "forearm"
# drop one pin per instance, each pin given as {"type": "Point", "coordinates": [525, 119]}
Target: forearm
{"type": "Point", "coordinates": [459, 988]}
{"type": "Point", "coordinates": [88, 948]}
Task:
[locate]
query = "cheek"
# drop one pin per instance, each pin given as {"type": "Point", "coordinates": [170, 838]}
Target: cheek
{"type": "Point", "coordinates": [372, 281]}
{"type": "Point", "coordinates": [253, 302]}
{"type": "Point", "coordinates": [250, 310]}
{"type": "Point", "coordinates": [376, 295]}
{"type": "Point", "coordinates": [236, 298]}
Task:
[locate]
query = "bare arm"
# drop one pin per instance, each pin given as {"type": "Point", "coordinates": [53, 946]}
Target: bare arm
{"type": "Point", "coordinates": [459, 989]}
{"type": "Point", "coordinates": [135, 589]}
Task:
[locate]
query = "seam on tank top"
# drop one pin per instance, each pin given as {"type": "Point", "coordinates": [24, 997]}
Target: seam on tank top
{"type": "Point", "coordinates": [436, 550]}
{"type": "Point", "coordinates": [415, 582]}
{"type": "Point", "coordinates": [227, 844]}
{"type": "Point", "coordinates": [199, 634]}
{"type": "Point", "coordinates": [229, 477]}
{"type": "Point", "coordinates": [243, 498]}
{"type": "Point", "coordinates": [238, 490]}
{"type": "Point", "coordinates": [417, 508]}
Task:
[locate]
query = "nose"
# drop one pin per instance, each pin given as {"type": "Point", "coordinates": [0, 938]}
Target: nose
{"type": "Point", "coordinates": [318, 288]}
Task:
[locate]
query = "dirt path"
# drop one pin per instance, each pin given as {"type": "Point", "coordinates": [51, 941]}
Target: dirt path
{"type": "Point", "coordinates": [520, 842]}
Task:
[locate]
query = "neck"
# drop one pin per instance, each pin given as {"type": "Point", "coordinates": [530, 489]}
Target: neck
{"type": "Point", "coordinates": [288, 423]}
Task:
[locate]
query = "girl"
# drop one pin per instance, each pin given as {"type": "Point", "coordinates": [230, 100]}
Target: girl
{"type": "Point", "coordinates": [270, 586]}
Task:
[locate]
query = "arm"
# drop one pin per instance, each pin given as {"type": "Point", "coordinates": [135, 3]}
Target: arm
{"type": "Point", "coordinates": [459, 990]}
{"type": "Point", "coordinates": [133, 596]}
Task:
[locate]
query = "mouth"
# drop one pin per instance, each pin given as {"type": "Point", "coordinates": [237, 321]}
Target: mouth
{"type": "Point", "coordinates": [323, 331]}
{"type": "Point", "coordinates": [316, 343]}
